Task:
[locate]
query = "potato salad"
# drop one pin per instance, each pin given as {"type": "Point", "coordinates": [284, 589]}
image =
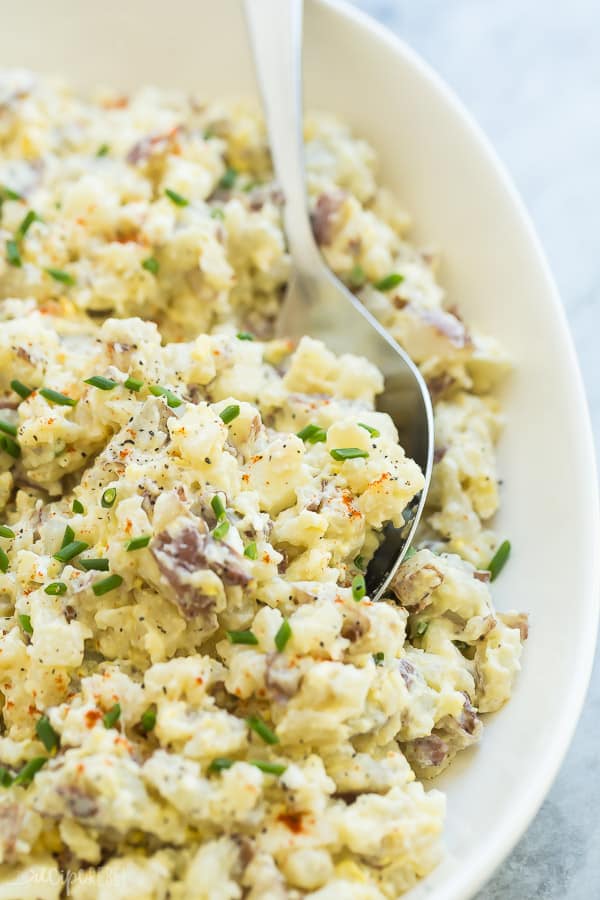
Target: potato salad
{"type": "Point", "coordinates": [198, 699]}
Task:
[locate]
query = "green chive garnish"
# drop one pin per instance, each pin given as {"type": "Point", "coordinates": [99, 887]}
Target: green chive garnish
{"type": "Point", "coordinates": [68, 537]}
{"type": "Point", "coordinates": [111, 717]}
{"type": "Point", "coordinates": [94, 565]}
{"type": "Point", "coordinates": [177, 199]}
{"type": "Point", "coordinates": [372, 431]}
{"type": "Point", "coordinates": [250, 550]}
{"type": "Point", "coordinates": [6, 778]}
{"type": "Point", "coordinates": [102, 383]}
{"type": "Point", "coordinates": [106, 585]}
{"type": "Point", "coordinates": [12, 254]}
{"type": "Point", "coordinates": [148, 720]}
{"type": "Point", "coordinates": [26, 224]}
{"type": "Point", "coordinates": [359, 562]}
{"type": "Point", "coordinates": [46, 733]}
{"type": "Point", "coordinates": [499, 559]}
{"type": "Point", "coordinates": [230, 413]}
{"type": "Point", "coordinates": [56, 589]}
{"type": "Point", "coordinates": [217, 506]}
{"type": "Point", "coordinates": [267, 767]}
{"type": "Point", "coordinates": [172, 399]}
{"type": "Point", "coordinates": [8, 194]}
{"type": "Point", "coordinates": [30, 769]}
{"type": "Point", "coordinates": [283, 635]}
{"type": "Point", "coordinates": [25, 623]}
{"type": "Point", "coordinates": [342, 453]}
{"type": "Point", "coordinates": [102, 150]}
{"type": "Point", "coordinates": [357, 277]}
{"type": "Point", "coordinates": [217, 213]}
{"type": "Point", "coordinates": [151, 265]}
{"type": "Point", "coordinates": [389, 282]}
{"type": "Point", "coordinates": [220, 763]}
{"type": "Point", "coordinates": [57, 398]}
{"type": "Point", "coordinates": [61, 275]}
{"type": "Point", "coordinates": [421, 628]}
{"type": "Point", "coordinates": [244, 336]}
{"type": "Point", "coordinates": [138, 543]}
{"type": "Point", "coordinates": [133, 384]}
{"type": "Point", "coordinates": [359, 588]}
{"type": "Point", "coordinates": [242, 637]}
{"type": "Point", "coordinates": [4, 561]}
{"type": "Point", "coordinates": [313, 434]}
{"type": "Point", "coordinates": [221, 530]}
{"type": "Point", "coordinates": [7, 428]}
{"type": "Point", "coordinates": [78, 507]}
{"type": "Point", "coordinates": [256, 724]}
{"type": "Point", "coordinates": [21, 389]}
{"type": "Point", "coordinates": [9, 446]}
{"type": "Point", "coordinates": [228, 179]}
{"type": "Point", "coordinates": [409, 553]}
{"type": "Point", "coordinates": [378, 658]}
{"type": "Point", "coordinates": [108, 498]}
{"type": "Point", "coordinates": [70, 551]}
{"type": "Point", "coordinates": [6, 532]}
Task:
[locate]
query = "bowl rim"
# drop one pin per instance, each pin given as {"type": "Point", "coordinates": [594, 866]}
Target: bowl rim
{"type": "Point", "coordinates": [497, 847]}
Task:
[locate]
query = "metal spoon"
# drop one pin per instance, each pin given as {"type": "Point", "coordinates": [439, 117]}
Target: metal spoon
{"type": "Point", "coordinates": [317, 303]}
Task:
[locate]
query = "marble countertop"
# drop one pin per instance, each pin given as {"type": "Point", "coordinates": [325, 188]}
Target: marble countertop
{"type": "Point", "coordinates": [537, 95]}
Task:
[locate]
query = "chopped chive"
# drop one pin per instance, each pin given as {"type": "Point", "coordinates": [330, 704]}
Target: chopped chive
{"type": "Point", "coordinates": [421, 628]}
{"type": "Point", "coordinates": [57, 398]}
{"type": "Point", "coordinates": [9, 446]}
{"type": "Point", "coordinates": [21, 389]}
{"type": "Point", "coordinates": [359, 588]}
{"type": "Point", "coordinates": [250, 550]}
{"type": "Point", "coordinates": [342, 453]}
{"type": "Point", "coordinates": [244, 336]}
{"type": "Point", "coordinates": [217, 506]}
{"type": "Point", "coordinates": [313, 434]}
{"type": "Point", "coordinates": [151, 265]}
{"type": "Point", "coordinates": [69, 551]}
{"type": "Point", "coordinates": [217, 213]}
{"type": "Point", "coordinates": [378, 658]}
{"type": "Point", "coordinates": [359, 562]}
{"type": "Point", "coordinates": [372, 431]}
{"type": "Point", "coordinates": [177, 199]}
{"type": "Point", "coordinates": [230, 413]}
{"type": "Point", "coordinates": [108, 498]}
{"type": "Point", "coordinates": [389, 282]}
{"type": "Point", "coordinates": [107, 584]}
{"type": "Point", "coordinates": [228, 179]}
{"type": "Point", "coordinates": [56, 589]}
{"type": "Point", "coordinates": [60, 275]}
{"type": "Point", "coordinates": [94, 565]}
{"type": "Point", "coordinates": [7, 428]}
{"type": "Point", "coordinates": [25, 623]}
{"type": "Point", "coordinates": [46, 733]}
{"type": "Point", "coordinates": [6, 532]}
{"type": "Point", "coordinates": [26, 224]}
{"type": "Point", "coordinates": [78, 507]}
{"type": "Point", "coordinates": [68, 537]}
{"type": "Point", "coordinates": [30, 769]}
{"type": "Point", "coordinates": [102, 150]}
{"type": "Point", "coordinates": [283, 635]}
{"type": "Point", "coordinates": [148, 719]}
{"type": "Point", "coordinates": [172, 399]}
{"type": "Point", "coordinates": [220, 763]}
{"type": "Point", "coordinates": [6, 778]}
{"type": "Point", "coordinates": [13, 254]}
{"type": "Point", "coordinates": [356, 276]}
{"type": "Point", "coordinates": [267, 767]}
{"type": "Point", "coordinates": [4, 561]}
{"type": "Point", "coordinates": [111, 717]}
{"type": "Point", "coordinates": [102, 383]}
{"type": "Point", "coordinates": [221, 530]}
{"type": "Point", "coordinates": [133, 384]}
{"type": "Point", "coordinates": [9, 194]}
{"type": "Point", "coordinates": [242, 637]}
{"type": "Point", "coordinates": [256, 724]}
{"type": "Point", "coordinates": [138, 543]}
{"type": "Point", "coordinates": [409, 553]}
{"type": "Point", "coordinates": [499, 559]}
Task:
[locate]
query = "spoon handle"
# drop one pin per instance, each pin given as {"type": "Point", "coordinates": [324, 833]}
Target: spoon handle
{"type": "Point", "coordinates": [275, 28]}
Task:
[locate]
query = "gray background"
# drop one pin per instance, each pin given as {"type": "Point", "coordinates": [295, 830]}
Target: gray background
{"type": "Point", "coordinates": [529, 71]}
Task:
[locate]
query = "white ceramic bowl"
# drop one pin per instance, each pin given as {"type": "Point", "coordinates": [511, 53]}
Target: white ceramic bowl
{"type": "Point", "coordinates": [494, 269]}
